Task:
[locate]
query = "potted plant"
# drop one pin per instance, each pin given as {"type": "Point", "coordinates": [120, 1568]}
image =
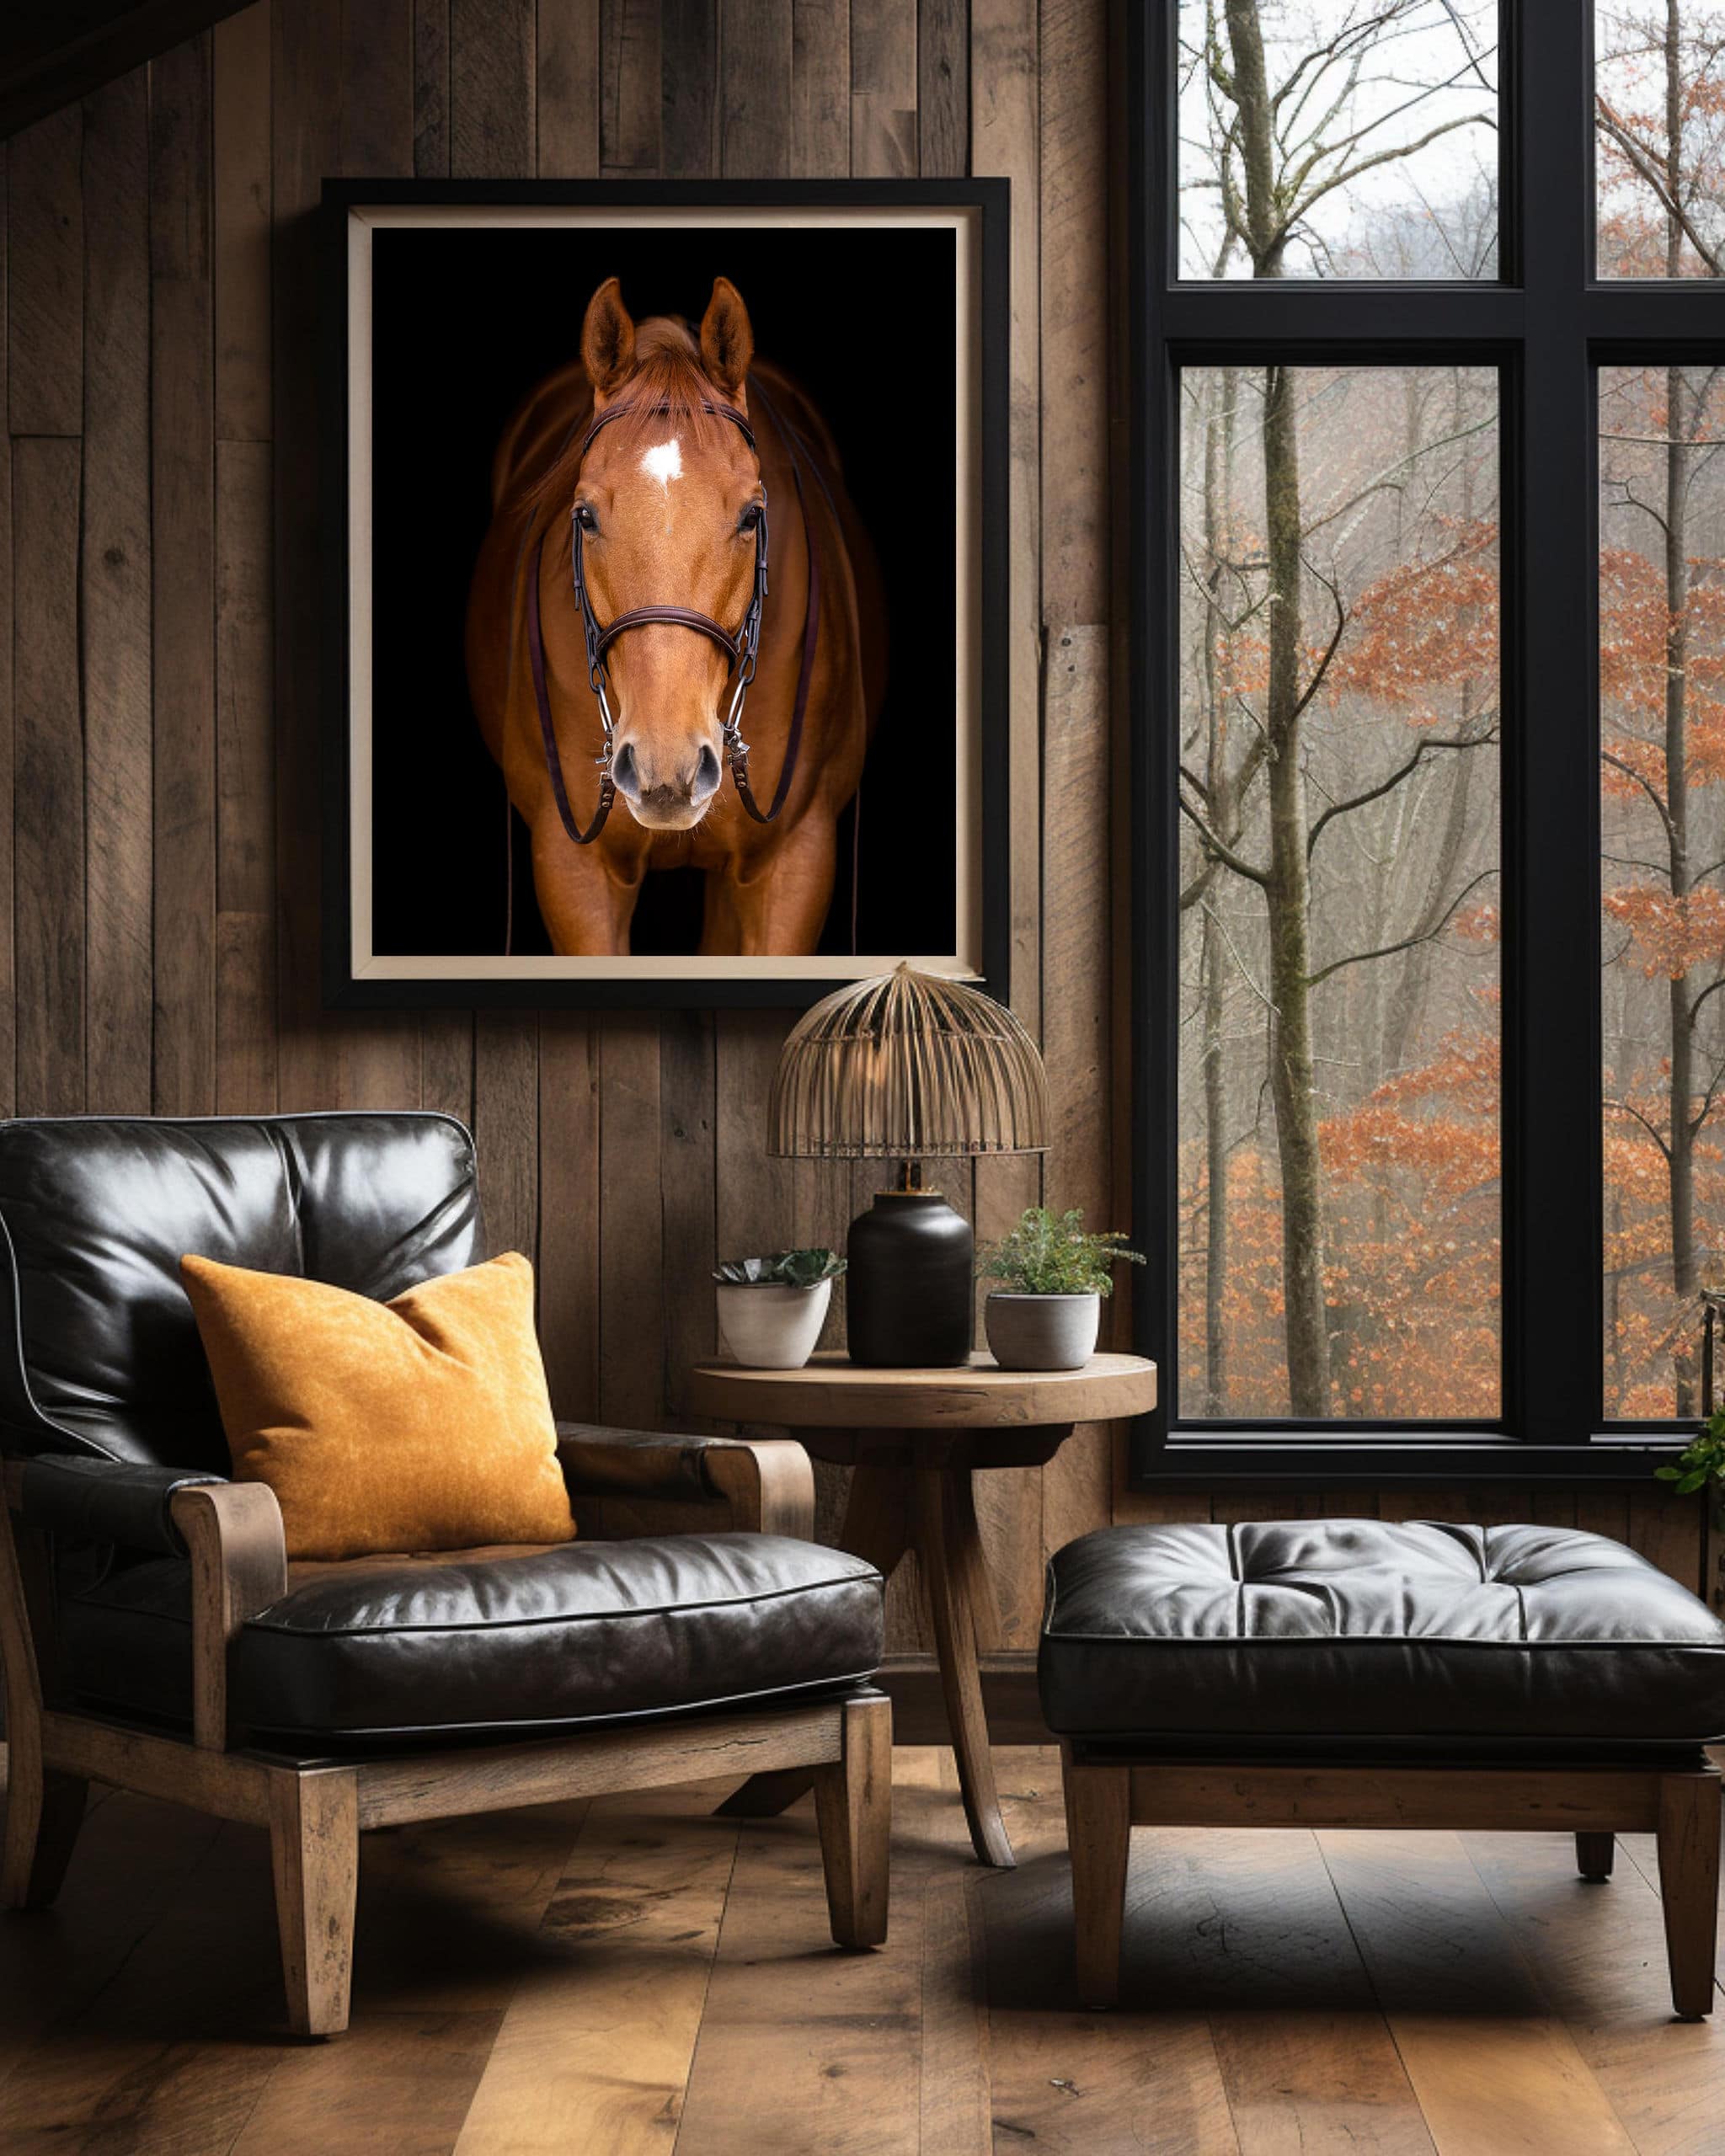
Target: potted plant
{"type": "Point", "coordinates": [770, 1310]}
{"type": "Point", "coordinates": [1047, 1311]}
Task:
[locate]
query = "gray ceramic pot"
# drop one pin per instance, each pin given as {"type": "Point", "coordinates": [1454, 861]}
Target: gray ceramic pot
{"type": "Point", "coordinates": [1042, 1332]}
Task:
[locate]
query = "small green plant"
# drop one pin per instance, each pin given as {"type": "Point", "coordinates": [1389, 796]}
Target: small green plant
{"type": "Point", "coordinates": [1049, 1254]}
{"type": "Point", "coordinates": [1702, 1461]}
{"type": "Point", "coordinates": [783, 1268]}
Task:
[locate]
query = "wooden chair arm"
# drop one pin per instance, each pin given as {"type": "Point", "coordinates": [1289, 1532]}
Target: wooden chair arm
{"type": "Point", "coordinates": [238, 1553]}
{"type": "Point", "coordinates": [767, 1482]}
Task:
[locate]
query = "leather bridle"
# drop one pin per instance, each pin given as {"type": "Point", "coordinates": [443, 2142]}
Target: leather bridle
{"type": "Point", "coordinates": [740, 649]}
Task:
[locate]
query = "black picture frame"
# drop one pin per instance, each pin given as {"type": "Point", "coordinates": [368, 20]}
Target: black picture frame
{"type": "Point", "coordinates": [991, 201]}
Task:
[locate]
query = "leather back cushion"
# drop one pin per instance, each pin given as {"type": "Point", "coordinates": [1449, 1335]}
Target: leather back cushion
{"type": "Point", "coordinates": [102, 1355]}
{"type": "Point", "coordinates": [422, 1423]}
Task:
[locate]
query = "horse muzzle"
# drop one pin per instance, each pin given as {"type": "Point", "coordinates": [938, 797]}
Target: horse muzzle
{"type": "Point", "coordinates": [661, 800]}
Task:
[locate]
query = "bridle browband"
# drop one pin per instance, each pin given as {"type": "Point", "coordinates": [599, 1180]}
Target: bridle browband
{"type": "Point", "coordinates": [740, 649]}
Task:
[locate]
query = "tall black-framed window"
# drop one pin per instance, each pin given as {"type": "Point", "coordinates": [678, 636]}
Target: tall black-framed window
{"type": "Point", "coordinates": [1427, 687]}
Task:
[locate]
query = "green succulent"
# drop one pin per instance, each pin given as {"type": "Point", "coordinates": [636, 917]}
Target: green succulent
{"type": "Point", "coordinates": [1049, 1254]}
{"type": "Point", "coordinates": [1702, 1461]}
{"type": "Point", "coordinates": [783, 1268]}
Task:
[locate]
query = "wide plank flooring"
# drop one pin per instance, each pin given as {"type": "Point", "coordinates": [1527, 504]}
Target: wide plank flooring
{"type": "Point", "coordinates": [635, 1975]}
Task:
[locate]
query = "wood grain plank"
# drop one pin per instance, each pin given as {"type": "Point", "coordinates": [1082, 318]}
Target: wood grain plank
{"type": "Point", "coordinates": [689, 89]}
{"type": "Point", "coordinates": [820, 88]}
{"type": "Point", "coordinates": [304, 87]}
{"type": "Point", "coordinates": [602, 2027]}
{"type": "Point", "coordinates": [45, 328]}
{"type": "Point", "coordinates": [568, 1211]}
{"type": "Point", "coordinates": [756, 1197]}
{"type": "Point", "coordinates": [1010, 1502]}
{"type": "Point", "coordinates": [1597, 1953]}
{"type": "Point", "coordinates": [49, 842]}
{"type": "Point", "coordinates": [1246, 1926]}
{"type": "Point", "coordinates": [687, 1204]}
{"type": "Point", "coordinates": [1005, 139]}
{"type": "Point", "coordinates": [1065, 2080]}
{"type": "Point", "coordinates": [183, 481]}
{"type": "Point", "coordinates": [114, 597]}
{"type": "Point", "coordinates": [567, 88]}
{"type": "Point", "coordinates": [377, 88]}
{"type": "Point", "coordinates": [942, 88]}
{"type": "Point", "coordinates": [245, 832]}
{"type": "Point", "coordinates": [240, 48]}
{"type": "Point", "coordinates": [835, 2036]}
{"type": "Point", "coordinates": [629, 100]}
{"type": "Point", "coordinates": [1077, 871]}
{"type": "Point", "coordinates": [1668, 1531]}
{"type": "Point", "coordinates": [884, 86]}
{"type": "Point", "coordinates": [506, 1127]}
{"type": "Point", "coordinates": [1492, 2065]}
{"type": "Point", "coordinates": [631, 1365]}
{"type": "Point", "coordinates": [163, 2049]}
{"type": "Point", "coordinates": [491, 97]}
{"type": "Point", "coordinates": [431, 89]}
{"type": "Point", "coordinates": [755, 88]}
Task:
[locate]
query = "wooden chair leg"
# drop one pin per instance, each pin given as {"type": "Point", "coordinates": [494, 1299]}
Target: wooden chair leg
{"type": "Point", "coordinates": [314, 1840]}
{"type": "Point", "coordinates": [44, 1812]}
{"type": "Point", "coordinates": [1689, 1888]}
{"type": "Point", "coordinates": [1098, 1834]}
{"type": "Point", "coordinates": [853, 1808]}
{"type": "Point", "coordinates": [1594, 1854]}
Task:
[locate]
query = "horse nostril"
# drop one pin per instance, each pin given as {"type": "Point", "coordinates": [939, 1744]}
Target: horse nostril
{"type": "Point", "coordinates": [707, 773]}
{"type": "Point", "coordinates": [622, 770]}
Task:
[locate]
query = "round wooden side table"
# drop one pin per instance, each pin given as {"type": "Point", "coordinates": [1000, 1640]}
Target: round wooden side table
{"type": "Point", "coordinates": [914, 1437]}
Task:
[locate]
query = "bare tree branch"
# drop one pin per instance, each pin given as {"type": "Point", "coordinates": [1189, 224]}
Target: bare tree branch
{"type": "Point", "coordinates": [1406, 943]}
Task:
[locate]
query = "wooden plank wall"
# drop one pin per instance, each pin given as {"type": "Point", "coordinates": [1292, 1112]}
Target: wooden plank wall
{"type": "Point", "coordinates": [158, 805]}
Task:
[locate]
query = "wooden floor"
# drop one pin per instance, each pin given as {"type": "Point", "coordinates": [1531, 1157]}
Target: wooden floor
{"type": "Point", "coordinates": [639, 1975]}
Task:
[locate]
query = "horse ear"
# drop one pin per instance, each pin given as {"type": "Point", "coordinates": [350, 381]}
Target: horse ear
{"type": "Point", "coordinates": [727, 341]}
{"type": "Point", "coordinates": [607, 339]}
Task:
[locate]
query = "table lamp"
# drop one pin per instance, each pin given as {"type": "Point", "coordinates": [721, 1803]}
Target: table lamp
{"type": "Point", "coordinates": [897, 1068]}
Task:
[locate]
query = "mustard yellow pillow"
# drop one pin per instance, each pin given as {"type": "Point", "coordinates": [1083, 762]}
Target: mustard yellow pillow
{"type": "Point", "coordinates": [423, 1423]}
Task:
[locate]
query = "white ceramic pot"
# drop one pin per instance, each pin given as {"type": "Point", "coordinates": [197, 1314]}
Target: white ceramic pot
{"type": "Point", "coordinates": [1042, 1332]}
{"type": "Point", "coordinates": [771, 1326]}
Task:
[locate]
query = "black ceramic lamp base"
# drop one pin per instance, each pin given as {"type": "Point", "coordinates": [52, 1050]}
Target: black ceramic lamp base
{"type": "Point", "coordinates": [909, 1296]}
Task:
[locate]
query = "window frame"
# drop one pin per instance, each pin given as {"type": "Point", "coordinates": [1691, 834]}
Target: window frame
{"type": "Point", "coordinates": [1547, 319]}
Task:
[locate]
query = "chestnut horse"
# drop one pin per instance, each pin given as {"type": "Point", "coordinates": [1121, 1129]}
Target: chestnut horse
{"type": "Point", "coordinates": [660, 507]}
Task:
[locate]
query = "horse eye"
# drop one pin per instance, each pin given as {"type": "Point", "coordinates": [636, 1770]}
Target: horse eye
{"type": "Point", "coordinates": [585, 518]}
{"type": "Point", "coordinates": [750, 518]}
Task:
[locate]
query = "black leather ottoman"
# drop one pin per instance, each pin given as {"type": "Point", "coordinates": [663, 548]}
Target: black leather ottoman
{"type": "Point", "coordinates": [1365, 1673]}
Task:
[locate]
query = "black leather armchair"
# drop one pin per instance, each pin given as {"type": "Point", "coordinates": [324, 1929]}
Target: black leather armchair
{"type": "Point", "coordinates": [156, 1637]}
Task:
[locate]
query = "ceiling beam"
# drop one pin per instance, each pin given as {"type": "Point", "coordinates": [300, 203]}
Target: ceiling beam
{"type": "Point", "coordinates": [53, 52]}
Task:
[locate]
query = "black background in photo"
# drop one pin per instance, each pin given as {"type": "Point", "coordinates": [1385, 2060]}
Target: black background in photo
{"type": "Point", "coordinates": [466, 324]}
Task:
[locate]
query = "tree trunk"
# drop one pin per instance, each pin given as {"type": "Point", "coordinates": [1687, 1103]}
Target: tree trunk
{"type": "Point", "coordinates": [1681, 1162]}
{"type": "Point", "coordinates": [1305, 1324]}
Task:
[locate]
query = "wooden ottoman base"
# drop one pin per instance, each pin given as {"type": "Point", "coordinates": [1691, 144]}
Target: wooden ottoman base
{"type": "Point", "coordinates": [1107, 1795]}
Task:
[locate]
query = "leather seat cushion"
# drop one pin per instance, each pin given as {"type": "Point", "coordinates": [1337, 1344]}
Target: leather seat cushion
{"type": "Point", "coordinates": [1368, 1628]}
{"type": "Point", "coordinates": [506, 1641]}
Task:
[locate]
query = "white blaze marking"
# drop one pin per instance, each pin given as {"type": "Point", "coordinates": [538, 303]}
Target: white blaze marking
{"type": "Point", "coordinates": [664, 461]}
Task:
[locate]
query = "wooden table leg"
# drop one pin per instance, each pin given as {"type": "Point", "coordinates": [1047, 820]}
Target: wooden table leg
{"type": "Point", "coordinates": [877, 1527]}
{"type": "Point", "coordinates": [951, 1556]}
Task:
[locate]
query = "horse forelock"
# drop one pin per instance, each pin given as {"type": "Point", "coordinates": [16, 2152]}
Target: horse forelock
{"type": "Point", "coordinates": [666, 394]}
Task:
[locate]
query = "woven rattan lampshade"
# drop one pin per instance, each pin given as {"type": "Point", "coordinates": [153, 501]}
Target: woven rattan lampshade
{"type": "Point", "coordinates": [904, 1067]}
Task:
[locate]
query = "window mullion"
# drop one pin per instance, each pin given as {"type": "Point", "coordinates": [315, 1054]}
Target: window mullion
{"type": "Point", "coordinates": [1552, 1097]}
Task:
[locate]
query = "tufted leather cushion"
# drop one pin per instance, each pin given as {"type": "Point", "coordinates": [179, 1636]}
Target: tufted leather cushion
{"type": "Point", "coordinates": [98, 1352]}
{"type": "Point", "coordinates": [1364, 1629]}
{"type": "Point", "coordinates": [496, 1641]}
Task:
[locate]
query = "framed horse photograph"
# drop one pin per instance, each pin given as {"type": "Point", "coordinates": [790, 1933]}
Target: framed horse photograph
{"type": "Point", "coordinates": [667, 536]}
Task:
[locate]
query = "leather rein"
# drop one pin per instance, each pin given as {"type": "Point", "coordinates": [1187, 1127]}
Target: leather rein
{"type": "Point", "coordinates": [741, 649]}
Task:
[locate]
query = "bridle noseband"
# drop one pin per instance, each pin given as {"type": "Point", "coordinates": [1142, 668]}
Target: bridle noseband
{"type": "Point", "coordinates": [740, 650]}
